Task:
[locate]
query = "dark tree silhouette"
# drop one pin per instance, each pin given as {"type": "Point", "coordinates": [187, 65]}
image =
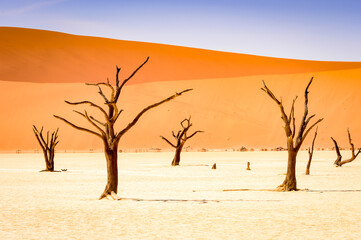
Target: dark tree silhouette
{"type": "Point", "coordinates": [293, 143]}
{"type": "Point", "coordinates": [48, 147]}
{"type": "Point", "coordinates": [310, 154]}
{"type": "Point", "coordinates": [354, 155]}
{"type": "Point", "coordinates": [105, 129]}
{"type": "Point", "coordinates": [181, 138]}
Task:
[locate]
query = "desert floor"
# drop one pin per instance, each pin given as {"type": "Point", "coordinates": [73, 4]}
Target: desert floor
{"type": "Point", "coordinates": [185, 202]}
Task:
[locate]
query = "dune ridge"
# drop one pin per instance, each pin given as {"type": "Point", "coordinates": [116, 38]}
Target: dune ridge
{"type": "Point", "coordinates": [30, 55]}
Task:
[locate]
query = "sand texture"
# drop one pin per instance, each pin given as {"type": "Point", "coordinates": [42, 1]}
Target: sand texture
{"type": "Point", "coordinates": [185, 202]}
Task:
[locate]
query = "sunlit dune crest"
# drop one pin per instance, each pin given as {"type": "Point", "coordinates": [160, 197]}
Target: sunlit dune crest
{"type": "Point", "coordinates": [28, 55]}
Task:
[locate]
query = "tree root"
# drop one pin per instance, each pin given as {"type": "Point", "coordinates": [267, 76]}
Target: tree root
{"type": "Point", "coordinates": [285, 188]}
{"type": "Point", "coordinates": [49, 170]}
{"type": "Point", "coordinates": [111, 196]}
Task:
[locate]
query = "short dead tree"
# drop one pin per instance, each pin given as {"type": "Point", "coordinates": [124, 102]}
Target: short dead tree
{"type": "Point", "coordinates": [105, 129]}
{"type": "Point", "coordinates": [310, 154]}
{"type": "Point", "coordinates": [181, 137]}
{"type": "Point", "coordinates": [354, 155]}
{"type": "Point", "coordinates": [294, 142]}
{"type": "Point", "coordinates": [48, 147]}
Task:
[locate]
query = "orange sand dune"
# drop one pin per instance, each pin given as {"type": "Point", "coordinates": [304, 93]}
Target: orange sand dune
{"type": "Point", "coordinates": [29, 55]}
{"type": "Point", "coordinates": [233, 112]}
{"type": "Point", "coordinates": [40, 69]}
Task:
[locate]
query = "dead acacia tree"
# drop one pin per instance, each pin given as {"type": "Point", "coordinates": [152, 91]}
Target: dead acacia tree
{"type": "Point", "coordinates": [181, 138]}
{"type": "Point", "coordinates": [105, 129]}
{"type": "Point", "coordinates": [293, 142]}
{"type": "Point", "coordinates": [339, 156]}
{"type": "Point", "coordinates": [354, 155]}
{"type": "Point", "coordinates": [47, 146]}
{"type": "Point", "coordinates": [310, 154]}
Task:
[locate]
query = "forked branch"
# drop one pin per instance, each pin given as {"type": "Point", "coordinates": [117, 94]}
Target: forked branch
{"type": "Point", "coordinates": [339, 156]}
{"type": "Point", "coordinates": [135, 120]}
{"type": "Point", "coordinates": [354, 155]}
{"type": "Point", "coordinates": [119, 88]}
{"type": "Point", "coordinates": [77, 127]}
{"type": "Point", "coordinates": [284, 116]}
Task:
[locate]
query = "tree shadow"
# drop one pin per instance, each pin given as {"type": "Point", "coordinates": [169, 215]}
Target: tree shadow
{"type": "Point", "coordinates": [298, 190]}
{"type": "Point", "coordinates": [331, 190]}
{"type": "Point", "coordinates": [201, 201]}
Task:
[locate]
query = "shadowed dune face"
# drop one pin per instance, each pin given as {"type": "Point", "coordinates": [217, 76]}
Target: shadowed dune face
{"type": "Point", "coordinates": [41, 69]}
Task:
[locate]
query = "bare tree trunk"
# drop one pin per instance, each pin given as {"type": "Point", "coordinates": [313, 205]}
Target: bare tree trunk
{"type": "Point", "coordinates": [176, 158]}
{"type": "Point", "coordinates": [310, 154]}
{"type": "Point", "coordinates": [49, 160]}
{"type": "Point", "coordinates": [111, 156]}
{"type": "Point", "coordinates": [290, 183]}
{"type": "Point", "coordinates": [308, 164]}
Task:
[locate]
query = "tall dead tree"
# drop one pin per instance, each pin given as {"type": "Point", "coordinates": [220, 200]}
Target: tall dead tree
{"type": "Point", "coordinates": [181, 137]}
{"type": "Point", "coordinates": [293, 142]}
{"type": "Point", "coordinates": [354, 155]}
{"type": "Point", "coordinates": [105, 129]}
{"type": "Point", "coordinates": [47, 146]}
{"type": "Point", "coordinates": [310, 154]}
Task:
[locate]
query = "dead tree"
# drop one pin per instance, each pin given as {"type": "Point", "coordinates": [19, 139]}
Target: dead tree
{"type": "Point", "coordinates": [105, 129]}
{"type": "Point", "coordinates": [339, 156]}
{"type": "Point", "coordinates": [354, 155]}
{"type": "Point", "coordinates": [310, 154]}
{"type": "Point", "coordinates": [181, 138]}
{"type": "Point", "coordinates": [48, 147]}
{"type": "Point", "coordinates": [293, 142]}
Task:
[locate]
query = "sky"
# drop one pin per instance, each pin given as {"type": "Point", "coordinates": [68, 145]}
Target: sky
{"type": "Point", "coordinates": [299, 29]}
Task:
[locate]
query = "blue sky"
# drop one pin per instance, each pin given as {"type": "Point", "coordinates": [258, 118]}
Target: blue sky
{"type": "Point", "coordinates": [300, 29]}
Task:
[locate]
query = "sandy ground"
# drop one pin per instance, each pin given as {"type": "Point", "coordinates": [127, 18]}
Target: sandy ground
{"type": "Point", "coordinates": [185, 202]}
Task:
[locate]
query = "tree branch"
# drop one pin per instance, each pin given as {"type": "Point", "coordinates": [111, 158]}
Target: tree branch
{"type": "Point", "coordinates": [292, 118]}
{"type": "Point", "coordinates": [119, 88]}
{"type": "Point", "coordinates": [168, 141]}
{"type": "Point", "coordinates": [339, 157]}
{"type": "Point", "coordinates": [299, 143]}
{"type": "Point", "coordinates": [135, 120]}
{"type": "Point", "coordinates": [101, 92]}
{"type": "Point", "coordinates": [36, 132]}
{"type": "Point", "coordinates": [93, 105]}
{"type": "Point", "coordinates": [303, 124]}
{"type": "Point", "coordinates": [77, 127]}
{"type": "Point", "coordinates": [283, 114]}
{"type": "Point", "coordinates": [96, 120]}
{"type": "Point", "coordinates": [85, 115]}
{"type": "Point", "coordinates": [194, 134]}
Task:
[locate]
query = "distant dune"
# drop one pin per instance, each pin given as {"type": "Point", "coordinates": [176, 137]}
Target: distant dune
{"type": "Point", "coordinates": [39, 69]}
{"type": "Point", "coordinates": [28, 55]}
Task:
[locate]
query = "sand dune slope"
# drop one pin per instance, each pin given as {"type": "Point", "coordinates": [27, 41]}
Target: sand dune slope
{"type": "Point", "coordinates": [29, 55]}
{"type": "Point", "coordinates": [40, 69]}
{"type": "Point", "coordinates": [233, 112]}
